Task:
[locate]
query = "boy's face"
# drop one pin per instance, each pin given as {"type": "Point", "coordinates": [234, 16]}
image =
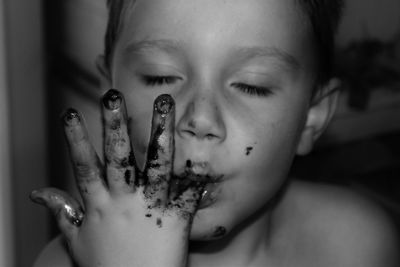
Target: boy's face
{"type": "Point", "coordinates": [240, 72]}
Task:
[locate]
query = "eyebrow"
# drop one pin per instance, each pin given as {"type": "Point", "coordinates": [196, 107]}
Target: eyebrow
{"type": "Point", "coordinates": [269, 52]}
{"type": "Point", "coordinates": [243, 53]}
{"type": "Point", "coordinates": [152, 45]}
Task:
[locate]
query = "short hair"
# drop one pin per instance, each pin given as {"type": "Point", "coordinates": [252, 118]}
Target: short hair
{"type": "Point", "coordinates": [323, 15]}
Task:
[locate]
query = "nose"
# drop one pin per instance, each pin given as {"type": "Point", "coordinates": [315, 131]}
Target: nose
{"type": "Point", "coordinates": [202, 119]}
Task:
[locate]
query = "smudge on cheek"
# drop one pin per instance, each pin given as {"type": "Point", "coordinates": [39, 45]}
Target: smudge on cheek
{"type": "Point", "coordinates": [219, 231]}
{"type": "Point", "coordinates": [248, 150]}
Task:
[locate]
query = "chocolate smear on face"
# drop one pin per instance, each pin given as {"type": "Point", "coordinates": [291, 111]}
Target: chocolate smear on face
{"type": "Point", "coordinates": [189, 178]}
{"type": "Point", "coordinates": [248, 150]}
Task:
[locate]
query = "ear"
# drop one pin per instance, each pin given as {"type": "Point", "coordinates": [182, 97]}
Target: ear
{"type": "Point", "coordinates": [321, 111]}
{"type": "Point", "coordinates": [105, 74]}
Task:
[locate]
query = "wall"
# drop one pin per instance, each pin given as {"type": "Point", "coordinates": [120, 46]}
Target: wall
{"type": "Point", "coordinates": [6, 220]}
{"type": "Point", "coordinates": [370, 18]}
{"type": "Point", "coordinates": [26, 100]}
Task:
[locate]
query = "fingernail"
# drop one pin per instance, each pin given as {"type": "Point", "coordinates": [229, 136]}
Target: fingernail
{"type": "Point", "coordinates": [71, 117]}
{"type": "Point", "coordinates": [36, 197]}
{"type": "Point", "coordinates": [164, 104]}
{"type": "Point", "coordinates": [75, 216]}
{"type": "Point", "coordinates": [112, 99]}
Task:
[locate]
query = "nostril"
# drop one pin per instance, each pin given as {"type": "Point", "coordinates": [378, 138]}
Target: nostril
{"type": "Point", "coordinates": [203, 122]}
{"type": "Point", "coordinates": [210, 136]}
{"type": "Point", "coordinates": [192, 124]}
{"type": "Point", "coordinates": [189, 133]}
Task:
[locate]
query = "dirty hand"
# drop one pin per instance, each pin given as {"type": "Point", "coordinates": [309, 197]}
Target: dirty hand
{"type": "Point", "coordinates": [129, 217]}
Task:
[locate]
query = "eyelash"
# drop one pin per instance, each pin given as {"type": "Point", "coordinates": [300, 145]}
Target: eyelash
{"type": "Point", "coordinates": [252, 90]}
{"type": "Point", "coordinates": [159, 80]}
{"type": "Point", "coordinates": [168, 80]}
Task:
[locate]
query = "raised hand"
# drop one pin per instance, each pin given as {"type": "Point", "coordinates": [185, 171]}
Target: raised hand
{"type": "Point", "coordinates": [128, 217]}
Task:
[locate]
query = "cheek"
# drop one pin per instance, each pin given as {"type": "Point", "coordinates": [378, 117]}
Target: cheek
{"type": "Point", "coordinates": [140, 115]}
{"type": "Point", "coordinates": [270, 158]}
{"type": "Point", "coordinates": [139, 139]}
{"type": "Point", "coordinates": [271, 137]}
{"type": "Point", "coordinates": [258, 179]}
{"type": "Point", "coordinates": [265, 166]}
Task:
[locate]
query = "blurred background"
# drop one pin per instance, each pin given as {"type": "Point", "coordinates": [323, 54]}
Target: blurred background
{"type": "Point", "coordinates": [47, 54]}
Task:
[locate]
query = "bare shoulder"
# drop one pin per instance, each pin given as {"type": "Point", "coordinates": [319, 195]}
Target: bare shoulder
{"type": "Point", "coordinates": [55, 254]}
{"type": "Point", "coordinates": [348, 228]}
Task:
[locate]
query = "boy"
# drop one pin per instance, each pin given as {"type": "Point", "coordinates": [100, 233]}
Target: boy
{"type": "Point", "coordinates": [251, 87]}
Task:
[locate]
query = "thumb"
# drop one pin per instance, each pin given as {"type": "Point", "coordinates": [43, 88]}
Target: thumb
{"type": "Point", "coordinates": [66, 209]}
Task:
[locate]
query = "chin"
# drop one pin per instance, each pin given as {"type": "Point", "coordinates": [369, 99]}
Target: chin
{"type": "Point", "coordinates": [226, 217]}
{"type": "Point", "coordinates": [208, 233]}
{"type": "Point", "coordinates": [209, 224]}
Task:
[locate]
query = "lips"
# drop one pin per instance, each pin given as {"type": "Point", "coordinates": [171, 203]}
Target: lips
{"type": "Point", "coordinates": [209, 196]}
{"type": "Point", "coordinates": [201, 172]}
{"type": "Point", "coordinates": [196, 175]}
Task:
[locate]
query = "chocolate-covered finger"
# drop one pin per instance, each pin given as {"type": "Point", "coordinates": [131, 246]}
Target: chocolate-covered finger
{"type": "Point", "coordinates": [68, 212]}
{"type": "Point", "coordinates": [161, 150]}
{"type": "Point", "coordinates": [86, 163]}
{"type": "Point", "coordinates": [187, 202]}
{"type": "Point", "coordinates": [118, 152]}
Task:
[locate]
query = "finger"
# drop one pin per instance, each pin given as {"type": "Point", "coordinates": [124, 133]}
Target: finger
{"type": "Point", "coordinates": [161, 149]}
{"type": "Point", "coordinates": [86, 163]}
{"type": "Point", "coordinates": [118, 152]}
{"type": "Point", "coordinates": [68, 212]}
{"type": "Point", "coordinates": [187, 202]}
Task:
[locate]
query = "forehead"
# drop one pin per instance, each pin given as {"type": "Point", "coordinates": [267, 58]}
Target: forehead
{"type": "Point", "coordinates": [214, 24]}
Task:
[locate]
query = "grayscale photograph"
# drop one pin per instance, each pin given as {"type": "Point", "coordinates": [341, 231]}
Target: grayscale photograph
{"type": "Point", "coordinates": [199, 133]}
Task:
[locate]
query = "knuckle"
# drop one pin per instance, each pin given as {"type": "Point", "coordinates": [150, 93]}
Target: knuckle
{"type": "Point", "coordinates": [85, 170]}
{"type": "Point", "coordinates": [116, 143]}
{"type": "Point", "coordinates": [121, 160]}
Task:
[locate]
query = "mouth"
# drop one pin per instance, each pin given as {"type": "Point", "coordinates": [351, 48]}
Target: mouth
{"type": "Point", "coordinates": [197, 175]}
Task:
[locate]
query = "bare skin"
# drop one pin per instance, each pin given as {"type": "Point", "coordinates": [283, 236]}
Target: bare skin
{"type": "Point", "coordinates": [118, 193]}
{"type": "Point", "coordinates": [242, 74]}
{"type": "Point", "coordinates": [315, 225]}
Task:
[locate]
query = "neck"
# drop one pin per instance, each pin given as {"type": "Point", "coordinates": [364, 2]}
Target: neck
{"type": "Point", "coordinates": [250, 243]}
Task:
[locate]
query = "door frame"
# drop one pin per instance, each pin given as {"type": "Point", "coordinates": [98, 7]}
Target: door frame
{"type": "Point", "coordinates": [23, 100]}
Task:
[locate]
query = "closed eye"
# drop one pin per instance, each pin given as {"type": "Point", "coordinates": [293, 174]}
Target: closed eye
{"type": "Point", "coordinates": [150, 80]}
{"type": "Point", "coordinates": [252, 89]}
